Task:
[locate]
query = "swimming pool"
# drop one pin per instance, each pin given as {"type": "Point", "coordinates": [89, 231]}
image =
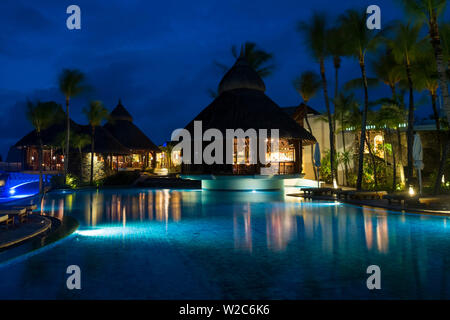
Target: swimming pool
{"type": "Point", "coordinates": [170, 244]}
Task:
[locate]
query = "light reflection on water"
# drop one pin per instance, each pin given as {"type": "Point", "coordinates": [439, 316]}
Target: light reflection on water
{"type": "Point", "coordinates": [326, 223]}
{"type": "Point", "coordinates": [244, 245]}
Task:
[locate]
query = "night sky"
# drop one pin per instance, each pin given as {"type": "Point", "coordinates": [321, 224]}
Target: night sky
{"type": "Point", "coordinates": [157, 56]}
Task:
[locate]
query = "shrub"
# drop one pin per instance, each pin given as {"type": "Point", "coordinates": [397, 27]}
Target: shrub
{"type": "Point", "coordinates": [57, 181]}
{"type": "Point", "coordinates": [121, 178]}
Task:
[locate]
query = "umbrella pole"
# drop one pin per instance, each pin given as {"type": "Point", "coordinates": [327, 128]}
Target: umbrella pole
{"type": "Point", "coordinates": [318, 177]}
{"type": "Point", "coordinates": [419, 174]}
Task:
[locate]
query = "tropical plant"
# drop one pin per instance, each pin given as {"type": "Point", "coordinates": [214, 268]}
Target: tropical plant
{"type": "Point", "coordinates": [95, 114]}
{"type": "Point", "coordinates": [388, 118]}
{"type": "Point", "coordinates": [315, 34]}
{"type": "Point", "coordinates": [359, 41]}
{"type": "Point", "coordinates": [407, 49]}
{"type": "Point", "coordinates": [388, 71]}
{"type": "Point", "coordinates": [71, 85]}
{"type": "Point", "coordinates": [80, 140]}
{"type": "Point", "coordinates": [392, 115]}
{"type": "Point", "coordinates": [344, 106]}
{"type": "Point", "coordinates": [429, 11]}
{"type": "Point", "coordinates": [445, 42]}
{"type": "Point", "coordinates": [307, 86]}
{"type": "Point", "coordinates": [42, 115]}
{"type": "Point", "coordinates": [335, 39]}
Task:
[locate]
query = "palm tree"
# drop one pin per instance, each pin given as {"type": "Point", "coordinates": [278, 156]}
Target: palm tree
{"type": "Point", "coordinates": [359, 41]}
{"type": "Point", "coordinates": [344, 105]}
{"type": "Point", "coordinates": [388, 71]}
{"type": "Point", "coordinates": [307, 86]}
{"type": "Point", "coordinates": [315, 34]}
{"type": "Point", "coordinates": [425, 78]}
{"type": "Point", "coordinates": [79, 141]}
{"type": "Point", "coordinates": [407, 49]}
{"type": "Point", "coordinates": [95, 115]}
{"type": "Point", "coordinates": [387, 119]}
{"type": "Point", "coordinates": [42, 115]}
{"type": "Point", "coordinates": [430, 11]}
{"type": "Point", "coordinates": [335, 38]}
{"type": "Point", "coordinates": [71, 85]}
{"type": "Point", "coordinates": [445, 42]}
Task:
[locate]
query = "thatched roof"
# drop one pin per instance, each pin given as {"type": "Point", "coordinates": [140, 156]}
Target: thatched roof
{"type": "Point", "coordinates": [243, 104]}
{"type": "Point", "coordinates": [241, 76]}
{"type": "Point", "coordinates": [48, 136]}
{"type": "Point", "coordinates": [104, 141]}
{"type": "Point", "coordinates": [291, 110]}
{"type": "Point", "coordinates": [126, 132]}
{"type": "Point", "coordinates": [120, 113]}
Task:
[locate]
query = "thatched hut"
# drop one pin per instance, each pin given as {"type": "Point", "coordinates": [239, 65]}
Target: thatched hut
{"type": "Point", "coordinates": [242, 104]}
{"type": "Point", "coordinates": [142, 150]}
{"type": "Point", "coordinates": [119, 144]}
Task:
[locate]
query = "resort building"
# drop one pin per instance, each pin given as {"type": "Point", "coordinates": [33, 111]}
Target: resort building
{"type": "Point", "coordinates": [143, 150]}
{"type": "Point", "coordinates": [381, 141]}
{"type": "Point", "coordinates": [118, 145]}
{"type": "Point", "coordinates": [242, 104]}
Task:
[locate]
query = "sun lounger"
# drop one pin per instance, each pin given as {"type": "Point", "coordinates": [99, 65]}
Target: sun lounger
{"type": "Point", "coordinates": [402, 198]}
{"type": "Point", "coordinates": [19, 213]}
{"type": "Point", "coordinates": [308, 192]}
{"type": "Point", "coordinates": [29, 208]}
{"type": "Point", "coordinates": [361, 195]}
{"type": "Point", "coordinates": [6, 220]}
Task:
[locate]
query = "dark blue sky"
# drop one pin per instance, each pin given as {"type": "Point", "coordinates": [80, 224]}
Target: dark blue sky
{"type": "Point", "coordinates": [155, 55]}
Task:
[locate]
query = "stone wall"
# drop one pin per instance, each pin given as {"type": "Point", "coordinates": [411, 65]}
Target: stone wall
{"type": "Point", "coordinates": [99, 167]}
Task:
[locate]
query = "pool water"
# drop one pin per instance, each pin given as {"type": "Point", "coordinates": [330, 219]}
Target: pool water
{"type": "Point", "coordinates": [170, 244]}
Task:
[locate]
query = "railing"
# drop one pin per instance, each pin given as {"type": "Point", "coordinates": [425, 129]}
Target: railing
{"type": "Point", "coordinates": [274, 169]}
{"type": "Point", "coordinates": [10, 166]}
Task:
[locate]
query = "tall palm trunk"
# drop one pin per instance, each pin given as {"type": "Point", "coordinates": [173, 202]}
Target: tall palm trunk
{"type": "Point", "coordinates": [66, 155]}
{"type": "Point", "coordinates": [394, 160]}
{"type": "Point", "coordinates": [374, 162]}
{"type": "Point", "coordinates": [437, 184]}
{"type": "Point", "coordinates": [363, 124]}
{"type": "Point", "coordinates": [436, 120]}
{"type": "Point", "coordinates": [344, 148]}
{"type": "Point", "coordinates": [312, 146]}
{"type": "Point", "coordinates": [337, 65]}
{"type": "Point", "coordinates": [400, 150]}
{"type": "Point", "coordinates": [40, 162]}
{"type": "Point", "coordinates": [92, 155]}
{"type": "Point", "coordinates": [410, 123]}
{"type": "Point", "coordinates": [330, 119]}
{"type": "Point", "coordinates": [443, 84]}
{"type": "Point", "coordinates": [441, 68]}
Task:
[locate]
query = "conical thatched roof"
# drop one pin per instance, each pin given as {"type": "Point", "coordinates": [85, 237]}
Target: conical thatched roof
{"type": "Point", "coordinates": [120, 113]}
{"type": "Point", "coordinates": [104, 141]}
{"type": "Point", "coordinates": [243, 104]}
{"type": "Point", "coordinates": [126, 132]}
{"type": "Point", "coordinates": [241, 76]}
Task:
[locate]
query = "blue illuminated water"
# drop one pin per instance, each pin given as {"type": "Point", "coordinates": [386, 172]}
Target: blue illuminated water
{"type": "Point", "coordinates": [168, 244]}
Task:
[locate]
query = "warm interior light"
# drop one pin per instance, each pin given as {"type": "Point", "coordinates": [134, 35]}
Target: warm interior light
{"type": "Point", "coordinates": [411, 191]}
